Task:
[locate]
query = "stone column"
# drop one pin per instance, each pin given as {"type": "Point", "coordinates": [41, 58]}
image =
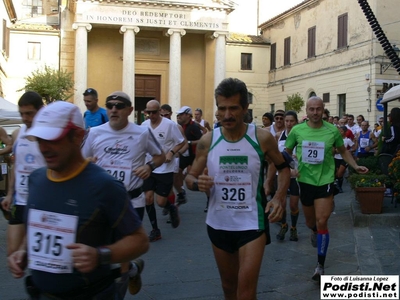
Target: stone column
{"type": "Point", "coordinates": [174, 94]}
{"type": "Point", "coordinates": [128, 65]}
{"type": "Point", "coordinates": [80, 68]}
{"type": "Point", "coordinates": [220, 59]}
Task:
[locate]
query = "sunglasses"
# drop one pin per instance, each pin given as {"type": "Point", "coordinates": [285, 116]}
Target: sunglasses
{"type": "Point", "coordinates": [117, 105]}
{"type": "Point", "coordinates": [165, 115]}
{"type": "Point", "coordinates": [151, 112]}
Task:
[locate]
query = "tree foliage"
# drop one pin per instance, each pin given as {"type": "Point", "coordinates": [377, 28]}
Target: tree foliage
{"type": "Point", "coordinates": [294, 102]}
{"type": "Point", "coordinates": [51, 84]}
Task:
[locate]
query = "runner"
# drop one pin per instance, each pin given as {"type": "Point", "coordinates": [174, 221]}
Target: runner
{"type": "Point", "coordinates": [79, 218]}
{"type": "Point", "coordinates": [229, 165]}
{"type": "Point", "coordinates": [314, 141]}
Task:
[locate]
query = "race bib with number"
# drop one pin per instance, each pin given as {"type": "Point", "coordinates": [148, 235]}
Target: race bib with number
{"type": "Point", "coordinates": [233, 192]}
{"type": "Point", "coordinates": [22, 177]}
{"type": "Point", "coordinates": [313, 152]}
{"type": "Point", "coordinates": [364, 142]}
{"type": "Point", "coordinates": [120, 169]}
{"type": "Point", "coordinates": [48, 234]}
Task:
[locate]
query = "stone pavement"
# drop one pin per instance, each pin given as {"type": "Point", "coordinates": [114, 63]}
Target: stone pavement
{"type": "Point", "coordinates": [181, 264]}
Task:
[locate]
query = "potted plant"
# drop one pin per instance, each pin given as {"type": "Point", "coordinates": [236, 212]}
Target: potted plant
{"type": "Point", "coordinates": [370, 192]}
{"type": "Point", "coordinates": [394, 175]}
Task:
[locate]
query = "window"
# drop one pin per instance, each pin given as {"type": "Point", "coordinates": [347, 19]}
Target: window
{"type": "Point", "coordinates": [272, 106]}
{"type": "Point", "coordinates": [246, 61]}
{"type": "Point", "coordinates": [312, 94]}
{"type": "Point", "coordinates": [311, 42]}
{"type": "Point", "coordinates": [250, 98]}
{"type": "Point", "coordinates": [286, 49]}
{"type": "Point", "coordinates": [342, 31]}
{"type": "Point", "coordinates": [6, 39]}
{"type": "Point", "coordinates": [325, 97]}
{"type": "Point", "coordinates": [34, 50]}
{"type": "Point", "coordinates": [273, 56]}
{"type": "Point", "coordinates": [32, 8]}
{"type": "Point", "coordinates": [342, 104]}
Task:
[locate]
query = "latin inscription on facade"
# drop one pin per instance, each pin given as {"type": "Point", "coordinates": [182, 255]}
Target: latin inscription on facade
{"type": "Point", "coordinates": [203, 20]}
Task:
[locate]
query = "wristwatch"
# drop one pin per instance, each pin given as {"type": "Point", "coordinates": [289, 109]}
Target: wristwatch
{"type": "Point", "coordinates": [189, 142]}
{"type": "Point", "coordinates": [151, 164]}
{"type": "Point", "coordinates": [104, 255]}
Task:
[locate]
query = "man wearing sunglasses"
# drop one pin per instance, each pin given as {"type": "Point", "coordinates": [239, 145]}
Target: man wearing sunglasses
{"type": "Point", "coordinates": [120, 147]}
{"type": "Point", "coordinates": [279, 125]}
{"type": "Point", "coordinates": [161, 179]}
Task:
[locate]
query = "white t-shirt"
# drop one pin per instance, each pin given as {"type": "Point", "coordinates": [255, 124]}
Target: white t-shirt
{"type": "Point", "coordinates": [168, 136]}
{"type": "Point", "coordinates": [121, 152]}
{"type": "Point", "coordinates": [28, 158]}
{"type": "Point", "coordinates": [355, 128]}
{"type": "Point", "coordinates": [348, 143]}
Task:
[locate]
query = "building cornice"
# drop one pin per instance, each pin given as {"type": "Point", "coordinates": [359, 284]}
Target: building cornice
{"type": "Point", "coordinates": [288, 13]}
{"type": "Point", "coordinates": [218, 5]}
{"type": "Point", "coordinates": [34, 28]}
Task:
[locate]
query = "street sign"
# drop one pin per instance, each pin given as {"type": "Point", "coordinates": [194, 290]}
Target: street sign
{"type": "Point", "coordinates": [379, 106]}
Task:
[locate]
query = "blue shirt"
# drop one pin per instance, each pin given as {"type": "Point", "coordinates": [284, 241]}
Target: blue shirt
{"type": "Point", "coordinates": [93, 119]}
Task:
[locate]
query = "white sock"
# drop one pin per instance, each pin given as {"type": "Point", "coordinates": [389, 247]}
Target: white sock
{"type": "Point", "coordinates": [133, 270]}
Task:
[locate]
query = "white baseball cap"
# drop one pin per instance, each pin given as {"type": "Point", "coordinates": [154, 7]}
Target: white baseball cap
{"type": "Point", "coordinates": [54, 121]}
{"type": "Point", "coordinates": [184, 110]}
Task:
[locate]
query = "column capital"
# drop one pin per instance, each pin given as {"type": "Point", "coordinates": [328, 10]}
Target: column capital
{"type": "Point", "coordinates": [88, 26]}
{"type": "Point", "coordinates": [125, 28]}
{"type": "Point", "coordinates": [217, 34]}
{"type": "Point", "coordinates": [171, 31]}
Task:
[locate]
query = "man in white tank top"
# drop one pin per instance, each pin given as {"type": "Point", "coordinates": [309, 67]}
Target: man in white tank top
{"type": "Point", "coordinates": [27, 159]}
{"type": "Point", "coordinates": [198, 118]}
{"type": "Point", "coordinates": [229, 165]}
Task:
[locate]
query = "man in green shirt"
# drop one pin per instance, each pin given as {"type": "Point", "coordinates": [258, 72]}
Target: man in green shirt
{"type": "Point", "coordinates": [315, 140]}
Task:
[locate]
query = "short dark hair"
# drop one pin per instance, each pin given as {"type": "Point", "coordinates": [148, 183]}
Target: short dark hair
{"type": "Point", "coordinates": [90, 91]}
{"type": "Point", "coordinates": [230, 87]}
{"type": "Point", "coordinates": [166, 107]}
{"type": "Point", "coordinates": [31, 98]}
{"type": "Point", "coordinates": [362, 117]}
{"type": "Point", "coordinates": [269, 116]}
{"type": "Point", "coordinates": [327, 112]}
{"type": "Point", "coordinates": [293, 114]}
{"type": "Point", "coordinates": [395, 116]}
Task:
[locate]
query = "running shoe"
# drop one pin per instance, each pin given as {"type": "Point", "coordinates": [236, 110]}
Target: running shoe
{"type": "Point", "coordinates": [293, 234]}
{"type": "Point", "coordinates": [155, 235]}
{"type": "Point", "coordinates": [313, 239]}
{"type": "Point", "coordinates": [174, 215]}
{"type": "Point", "coordinates": [319, 270]}
{"type": "Point", "coordinates": [181, 198]}
{"type": "Point", "coordinates": [281, 234]}
{"type": "Point", "coordinates": [165, 211]}
{"type": "Point", "coordinates": [135, 282]}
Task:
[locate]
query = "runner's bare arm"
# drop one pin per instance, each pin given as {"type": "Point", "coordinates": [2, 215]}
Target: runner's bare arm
{"type": "Point", "coordinates": [86, 258]}
{"type": "Point", "coordinates": [270, 148]}
{"type": "Point", "coordinates": [199, 164]}
{"type": "Point", "coordinates": [346, 155]}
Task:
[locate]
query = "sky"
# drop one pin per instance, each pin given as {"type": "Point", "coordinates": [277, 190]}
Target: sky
{"type": "Point", "coordinates": [244, 18]}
